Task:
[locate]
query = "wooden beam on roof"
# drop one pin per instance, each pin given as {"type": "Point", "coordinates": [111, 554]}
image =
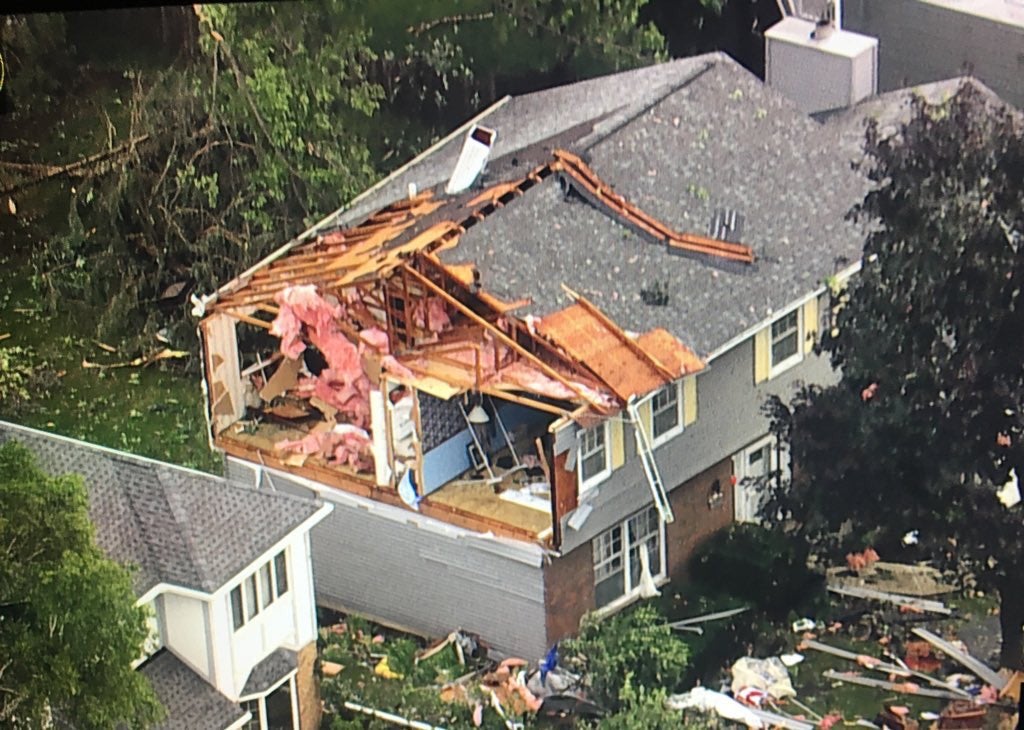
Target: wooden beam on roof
{"type": "Point", "coordinates": [617, 331]}
{"type": "Point", "coordinates": [247, 319]}
{"type": "Point", "coordinates": [496, 331]}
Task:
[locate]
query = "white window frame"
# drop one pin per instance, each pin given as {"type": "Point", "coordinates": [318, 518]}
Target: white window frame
{"type": "Point", "coordinates": [595, 479]}
{"type": "Point", "coordinates": [260, 716]}
{"type": "Point", "coordinates": [777, 461]}
{"type": "Point", "coordinates": [630, 592]}
{"type": "Point", "coordinates": [656, 439]}
{"type": "Point", "coordinates": [256, 580]}
{"type": "Point", "coordinates": [775, 368]}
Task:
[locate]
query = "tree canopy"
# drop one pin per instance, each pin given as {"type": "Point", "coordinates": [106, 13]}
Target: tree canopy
{"type": "Point", "coordinates": [285, 112]}
{"type": "Point", "coordinates": [69, 627]}
{"type": "Point", "coordinates": [910, 451]}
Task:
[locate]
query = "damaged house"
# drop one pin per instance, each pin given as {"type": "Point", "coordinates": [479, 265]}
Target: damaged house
{"type": "Point", "coordinates": [527, 368]}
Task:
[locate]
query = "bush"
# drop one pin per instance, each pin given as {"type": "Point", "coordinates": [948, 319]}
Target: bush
{"type": "Point", "coordinates": [634, 648]}
{"type": "Point", "coordinates": [760, 567]}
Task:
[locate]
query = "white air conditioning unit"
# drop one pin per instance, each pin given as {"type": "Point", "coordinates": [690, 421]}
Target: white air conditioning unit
{"type": "Point", "coordinates": [820, 71]}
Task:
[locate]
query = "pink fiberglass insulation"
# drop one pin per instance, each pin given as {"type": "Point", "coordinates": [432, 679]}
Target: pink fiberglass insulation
{"type": "Point", "coordinates": [344, 445]}
{"type": "Point", "coordinates": [430, 313]}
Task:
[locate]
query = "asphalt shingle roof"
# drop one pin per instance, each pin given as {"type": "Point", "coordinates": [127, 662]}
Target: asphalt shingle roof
{"type": "Point", "coordinates": [270, 671]}
{"type": "Point", "coordinates": [177, 525]}
{"type": "Point", "coordinates": [715, 139]}
{"type": "Point", "coordinates": [192, 704]}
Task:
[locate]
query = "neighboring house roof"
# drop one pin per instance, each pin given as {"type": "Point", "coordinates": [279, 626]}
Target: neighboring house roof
{"type": "Point", "coordinates": [196, 704]}
{"type": "Point", "coordinates": [270, 671]}
{"type": "Point", "coordinates": [178, 526]}
{"type": "Point", "coordinates": [892, 109]}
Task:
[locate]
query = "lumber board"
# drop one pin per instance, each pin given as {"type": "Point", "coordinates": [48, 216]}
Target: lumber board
{"type": "Point", "coordinates": [977, 666]}
{"type": "Point", "coordinates": [899, 600]}
{"type": "Point", "coordinates": [892, 686]}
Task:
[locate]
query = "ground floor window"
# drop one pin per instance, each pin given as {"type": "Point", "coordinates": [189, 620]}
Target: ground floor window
{"type": "Point", "coordinates": [274, 711]}
{"type": "Point", "coordinates": [617, 555]}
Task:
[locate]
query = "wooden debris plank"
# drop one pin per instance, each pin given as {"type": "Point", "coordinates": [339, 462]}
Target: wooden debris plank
{"type": "Point", "coordinates": [709, 617]}
{"type": "Point", "coordinates": [881, 666]}
{"type": "Point", "coordinates": [978, 667]}
{"type": "Point", "coordinates": [909, 601]}
{"type": "Point", "coordinates": [891, 686]}
{"type": "Point", "coordinates": [771, 719]}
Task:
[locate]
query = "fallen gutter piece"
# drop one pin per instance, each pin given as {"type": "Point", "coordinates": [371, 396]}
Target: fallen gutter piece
{"type": "Point", "coordinates": [919, 603]}
{"type": "Point", "coordinates": [883, 666]}
{"type": "Point", "coordinates": [388, 717]}
{"type": "Point", "coordinates": [975, 665]}
{"type": "Point", "coordinates": [771, 719]}
{"type": "Point", "coordinates": [707, 617]}
{"type": "Point", "coordinates": [906, 687]}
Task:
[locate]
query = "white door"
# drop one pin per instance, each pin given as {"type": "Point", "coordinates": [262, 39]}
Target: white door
{"type": "Point", "coordinates": [753, 462]}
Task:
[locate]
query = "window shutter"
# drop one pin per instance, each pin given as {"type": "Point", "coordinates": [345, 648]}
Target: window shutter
{"type": "Point", "coordinates": [810, 324]}
{"type": "Point", "coordinates": [617, 444]}
{"type": "Point", "coordinates": [644, 411]}
{"type": "Point", "coordinates": [689, 400]}
{"type": "Point", "coordinates": [762, 352]}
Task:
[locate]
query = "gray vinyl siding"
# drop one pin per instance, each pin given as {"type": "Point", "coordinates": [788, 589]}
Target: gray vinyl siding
{"type": "Point", "coordinates": [920, 42]}
{"type": "Point", "coordinates": [728, 418]}
{"type": "Point", "coordinates": [379, 561]}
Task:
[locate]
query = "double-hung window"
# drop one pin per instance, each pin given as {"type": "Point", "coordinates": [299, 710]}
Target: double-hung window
{"type": "Point", "coordinates": [786, 349]}
{"type": "Point", "coordinates": [618, 564]}
{"type": "Point", "coordinates": [259, 590]}
{"type": "Point", "coordinates": [666, 413]}
{"type": "Point", "coordinates": [594, 456]}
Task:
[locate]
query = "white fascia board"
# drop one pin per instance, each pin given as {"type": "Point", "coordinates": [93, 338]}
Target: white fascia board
{"type": "Point", "coordinates": [203, 301]}
{"type": "Point", "coordinates": [161, 588]}
{"type": "Point", "coordinates": [519, 550]}
{"type": "Point", "coordinates": [751, 331]}
{"type": "Point", "coordinates": [302, 529]}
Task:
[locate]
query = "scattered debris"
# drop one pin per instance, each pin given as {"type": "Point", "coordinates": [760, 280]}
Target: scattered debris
{"type": "Point", "coordinates": [803, 624]}
{"type": "Point", "coordinates": [859, 561]}
{"type": "Point", "coordinates": [683, 623]}
{"type": "Point", "coordinates": [331, 669]}
{"type": "Point", "coordinates": [769, 675]}
{"type": "Point", "coordinates": [903, 687]}
{"type": "Point", "coordinates": [920, 604]}
{"type": "Point", "coordinates": [979, 668]}
{"type": "Point", "coordinates": [390, 717]}
{"type": "Point", "coordinates": [902, 578]}
{"type": "Point", "coordinates": [962, 714]}
{"type": "Point", "coordinates": [706, 700]}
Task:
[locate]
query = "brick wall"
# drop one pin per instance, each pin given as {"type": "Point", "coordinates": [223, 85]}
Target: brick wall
{"type": "Point", "coordinates": [307, 685]}
{"type": "Point", "coordinates": [568, 592]}
{"type": "Point", "coordinates": [695, 521]}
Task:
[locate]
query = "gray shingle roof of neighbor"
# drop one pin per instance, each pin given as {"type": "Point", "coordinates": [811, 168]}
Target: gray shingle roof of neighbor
{"type": "Point", "coordinates": [176, 525]}
{"type": "Point", "coordinates": [892, 109]}
{"type": "Point", "coordinates": [717, 138]}
{"type": "Point", "coordinates": [270, 671]}
{"type": "Point", "coordinates": [191, 703]}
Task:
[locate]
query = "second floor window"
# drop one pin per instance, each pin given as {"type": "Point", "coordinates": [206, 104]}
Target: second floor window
{"type": "Point", "coordinates": [785, 340]}
{"type": "Point", "coordinates": [593, 457]}
{"type": "Point", "coordinates": [259, 590]}
{"type": "Point", "coordinates": [666, 413]}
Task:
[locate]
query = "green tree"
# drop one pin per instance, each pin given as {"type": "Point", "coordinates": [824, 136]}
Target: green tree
{"type": "Point", "coordinates": [286, 111]}
{"type": "Point", "coordinates": [69, 627]}
{"type": "Point", "coordinates": [927, 424]}
{"type": "Point", "coordinates": [627, 657]}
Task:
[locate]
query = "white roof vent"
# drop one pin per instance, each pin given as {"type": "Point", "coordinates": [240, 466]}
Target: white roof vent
{"type": "Point", "coordinates": [475, 151]}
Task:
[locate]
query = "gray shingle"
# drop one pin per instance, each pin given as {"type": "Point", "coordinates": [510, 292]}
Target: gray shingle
{"type": "Point", "coordinates": [177, 525]}
{"type": "Point", "coordinates": [270, 671]}
{"type": "Point", "coordinates": [191, 703]}
{"type": "Point", "coordinates": [719, 138]}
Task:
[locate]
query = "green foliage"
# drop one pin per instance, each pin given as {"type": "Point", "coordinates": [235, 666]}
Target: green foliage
{"type": "Point", "coordinates": [643, 710]}
{"type": "Point", "coordinates": [36, 58]}
{"type": "Point", "coordinates": [620, 654]}
{"type": "Point", "coordinates": [69, 627]}
{"type": "Point", "coordinates": [762, 568]}
{"type": "Point", "coordinates": [928, 421]}
{"type": "Point", "coordinates": [23, 379]}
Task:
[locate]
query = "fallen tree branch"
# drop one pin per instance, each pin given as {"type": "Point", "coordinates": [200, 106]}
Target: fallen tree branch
{"type": "Point", "coordinates": [78, 167]}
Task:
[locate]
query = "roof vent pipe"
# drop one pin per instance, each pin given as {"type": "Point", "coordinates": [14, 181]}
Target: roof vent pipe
{"type": "Point", "coordinates": [472, 160]}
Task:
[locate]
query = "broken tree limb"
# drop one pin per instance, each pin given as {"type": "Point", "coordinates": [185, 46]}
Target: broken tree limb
{"type": "Point", "coordinates": [922, 604]}
{"type": "Point", "coordinates": [82, 166]}
{"type": "Point", "coordinates": [982, 670]}
{"type": "Point", "coordinates": [882, 666]}
{"type": "Point", "coordinates": [165, 354]}
{"type": "Point", "coordinates": [905, 687]}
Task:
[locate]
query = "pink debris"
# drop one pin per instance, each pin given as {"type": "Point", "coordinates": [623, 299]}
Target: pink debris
{"type": "Point", "coordinates": [346, 444]}
{"type": "Point", "coordinates": [833, 718]}
{"type": "Point", "coordinates": [869, 392]}
{"type": "Point", "coordinates": [391, 365]}
{"type": "Point", "coordinates": [859, 561]}
{"type": "Point", "coordinates": [430, 314]}
{"type": "Point", "coordinates": [478, 715]}
{"type": "Point", "coordinates": [376, 338]}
